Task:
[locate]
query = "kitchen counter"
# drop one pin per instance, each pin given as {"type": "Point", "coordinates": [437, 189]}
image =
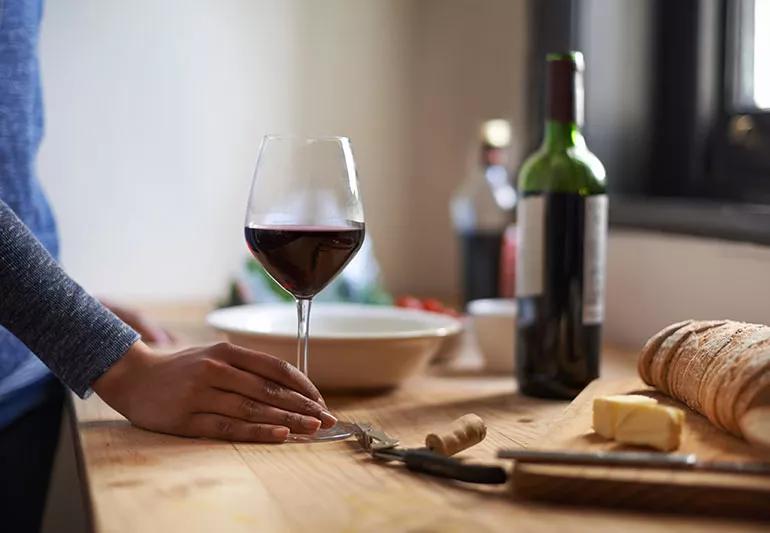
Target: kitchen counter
{"type": "Point", "coordinates": [137, 481]}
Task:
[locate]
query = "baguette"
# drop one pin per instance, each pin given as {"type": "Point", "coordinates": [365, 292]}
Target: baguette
{"type": "Point", "coordinates": [719, 368]}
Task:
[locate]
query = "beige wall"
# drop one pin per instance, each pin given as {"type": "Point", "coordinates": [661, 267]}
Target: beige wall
{"type": "Point", "coordinates": [155, 111]}
{"type": "Point", "coordinates": [410, 81]}
{"type": "Point", "coordinates": [355, 79]}
{"type": "Point", "coordinates": [469, 66]}
{"type": "Point", "coordinates": [655, 279]}
{"type": "Point", "coordinates": [154, 115]}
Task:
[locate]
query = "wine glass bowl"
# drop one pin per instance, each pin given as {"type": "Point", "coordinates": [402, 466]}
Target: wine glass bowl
{"type": "Point", "coordinates": [303, 259]}
{"type": "Point", "coordinates": [304, 223]}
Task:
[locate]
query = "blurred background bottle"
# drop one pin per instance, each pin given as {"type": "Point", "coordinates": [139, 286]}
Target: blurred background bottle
{"type": "Point", "coordinates": [481, 209]}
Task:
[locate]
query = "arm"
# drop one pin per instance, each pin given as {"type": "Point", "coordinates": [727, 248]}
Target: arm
{"type": "Point", "coordinates": [52, 314]}
{"type": "Point", "coordinates": [221, 391]}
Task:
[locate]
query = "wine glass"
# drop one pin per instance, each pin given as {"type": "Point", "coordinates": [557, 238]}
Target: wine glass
{"type": "Point", "coordinates": [304, 223]}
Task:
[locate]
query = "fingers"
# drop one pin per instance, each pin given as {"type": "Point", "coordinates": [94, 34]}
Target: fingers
{"type": "Point", "coordinates": [270, 367]}
{"type": "Point", "coordinates": [231, 379]}
{"type": "Point", "coordinates": [243, 408]}
{"type": "Point", "coordinates": [152, 333]}
{"type": "Point", "coordinates": [221, 427]}
{"type": "Point", "coordinates": [149, 331]}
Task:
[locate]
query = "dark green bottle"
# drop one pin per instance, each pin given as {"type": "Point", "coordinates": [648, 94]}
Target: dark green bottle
{"type": "Point", "coordinates": [562, 235]}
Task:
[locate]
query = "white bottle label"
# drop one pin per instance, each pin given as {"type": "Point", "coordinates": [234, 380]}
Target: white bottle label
{"type": "Point", "coordinates": [530, 238]}
{"type": "Point", "coordinates": [594, 258]}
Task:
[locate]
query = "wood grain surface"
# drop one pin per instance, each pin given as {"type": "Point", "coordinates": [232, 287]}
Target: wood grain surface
{"type": "Point", "coordinates": [703, 493]}
{"type": "Point", "coordinates": [138, 481]}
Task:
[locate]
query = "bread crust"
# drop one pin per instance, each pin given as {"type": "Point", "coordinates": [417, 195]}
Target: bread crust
{"type": "Point", "coordinates": [660, 362]}
{"type": "Point", "coordinates": [736, 376]}
{"type": "Point", "coordinates": [710, 383]}
{"type": "Point", "coordinates": [697, 363]}
{"type": "Point", "coordinates": [650, 348]}
{"type": "Point", "coordinates": [758, 384]}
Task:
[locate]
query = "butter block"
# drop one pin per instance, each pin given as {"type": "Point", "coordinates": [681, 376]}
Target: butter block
{"type": "Point", "coordinates": [657, 426]}
{"type": "Point", "coordinates": [609, 409]}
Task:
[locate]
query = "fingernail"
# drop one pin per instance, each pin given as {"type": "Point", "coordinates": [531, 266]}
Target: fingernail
{"type": "Point", "coordinates": [281, 433]}
{"type": "Point", "coordinates": [321, 401]}
{"type": "Point", "coordinates": [308, 422]}
{"type": "Point", "coordinates": [328, 419]}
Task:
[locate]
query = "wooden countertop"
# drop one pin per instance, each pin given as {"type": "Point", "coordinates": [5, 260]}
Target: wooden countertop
{"type": "Point", "coordinates": [137, 481]}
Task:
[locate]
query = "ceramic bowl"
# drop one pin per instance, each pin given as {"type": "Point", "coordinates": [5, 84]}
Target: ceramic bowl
{"type": "Point", "coordinates": [494, 325]}
{"type": "Point", "coordinates": [352, 347]}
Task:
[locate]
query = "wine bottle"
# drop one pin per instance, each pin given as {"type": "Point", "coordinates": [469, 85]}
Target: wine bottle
{"type": "Point", "coordinates": [481, 209]}
{"type": "Point", "coordinates": [562, 233]}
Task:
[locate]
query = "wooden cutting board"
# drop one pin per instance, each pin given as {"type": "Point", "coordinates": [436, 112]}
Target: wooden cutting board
{"type": "Point", "coordinates": [671, 491]}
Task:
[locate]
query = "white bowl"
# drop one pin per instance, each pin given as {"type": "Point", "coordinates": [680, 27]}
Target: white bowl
{"type": "Point", "coordinates": [494, 325]}
{"type": "Point", "coordinates": [352, 346]}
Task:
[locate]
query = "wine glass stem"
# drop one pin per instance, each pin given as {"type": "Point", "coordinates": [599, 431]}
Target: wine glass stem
{"type": "Point", "coordinates": [303, 333]}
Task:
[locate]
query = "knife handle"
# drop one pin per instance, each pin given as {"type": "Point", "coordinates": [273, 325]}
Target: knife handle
{"type": "Point", "coordinates": [436, 465]}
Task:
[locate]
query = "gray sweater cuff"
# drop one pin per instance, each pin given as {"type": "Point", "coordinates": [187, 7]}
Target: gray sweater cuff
{"type": "Point", "coordinates": [69, 330]}
{"type": "Point", "coordinates": [93, 354]}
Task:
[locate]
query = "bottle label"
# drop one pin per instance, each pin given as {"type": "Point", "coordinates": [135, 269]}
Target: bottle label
{"type": "Point", "coordinates": [594, 258]}
{"type": "Point", "coordinates": [562, 241]}
{"type": "Point", "coordinates": [530, 238]}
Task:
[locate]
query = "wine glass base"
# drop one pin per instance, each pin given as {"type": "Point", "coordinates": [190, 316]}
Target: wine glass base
{"type": "Point", "coordinates": [322, 435]}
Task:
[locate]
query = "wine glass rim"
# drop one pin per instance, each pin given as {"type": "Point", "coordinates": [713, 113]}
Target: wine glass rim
{"type": "Point", "coordinates": [305, 138]}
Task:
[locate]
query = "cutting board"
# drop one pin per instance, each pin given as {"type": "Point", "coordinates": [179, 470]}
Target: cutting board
{"type": "Point", "coordinates": [670, 491]}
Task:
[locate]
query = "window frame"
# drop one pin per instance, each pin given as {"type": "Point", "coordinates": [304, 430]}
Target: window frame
{"type": "Point", "coordinates": [678, 171]}
{"type": "Point", "coordinates": [741, 145]}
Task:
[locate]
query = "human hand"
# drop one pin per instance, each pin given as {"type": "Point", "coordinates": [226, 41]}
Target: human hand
{"type": "Point", "coordinates": [221, 392]}
{"type": "Point", "coordinates": [149, 330]}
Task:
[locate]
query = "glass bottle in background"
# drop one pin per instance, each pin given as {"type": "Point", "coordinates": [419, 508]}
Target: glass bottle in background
{"type": "Point", "coordinates": [562, 231]}
{"type": "Point", "coordinates": [481, 209]}
{"type": "Point", "coordinates": [508, 248]}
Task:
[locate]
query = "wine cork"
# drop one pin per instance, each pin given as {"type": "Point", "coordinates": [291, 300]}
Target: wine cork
{"type": "Point", "coordinates": [460, 435]}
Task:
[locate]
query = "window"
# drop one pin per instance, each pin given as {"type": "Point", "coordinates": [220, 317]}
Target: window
{"type": "Point", "coordinates": [742, 141]}
{"type": "Point", "coordinates": [750, 55]}
{"type": "Point", "coordinates": [761, 48]}
{"type": "Point", "coordinates": [677, 107]}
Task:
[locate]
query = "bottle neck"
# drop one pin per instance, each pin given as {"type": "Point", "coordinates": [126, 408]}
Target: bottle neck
{"type": "Point", "coordinates": [492, 156]}
{"type": "Point", "coordinates": [564, 103]}
{"type": "Point", "coordinates": [562, 135]}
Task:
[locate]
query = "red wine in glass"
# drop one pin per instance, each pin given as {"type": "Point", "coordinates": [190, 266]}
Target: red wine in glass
{"type": "Point", "coordinates": [305, 222]}
{"type": "Point", "coordinates": [304, 259]}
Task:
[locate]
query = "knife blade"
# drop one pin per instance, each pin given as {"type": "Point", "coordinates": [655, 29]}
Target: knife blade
{"type": "Point", "coordinates": [637, 460]}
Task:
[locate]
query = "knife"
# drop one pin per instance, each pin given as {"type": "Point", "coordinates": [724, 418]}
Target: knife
{"type": "Point", "coordinates": [637, 460]}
